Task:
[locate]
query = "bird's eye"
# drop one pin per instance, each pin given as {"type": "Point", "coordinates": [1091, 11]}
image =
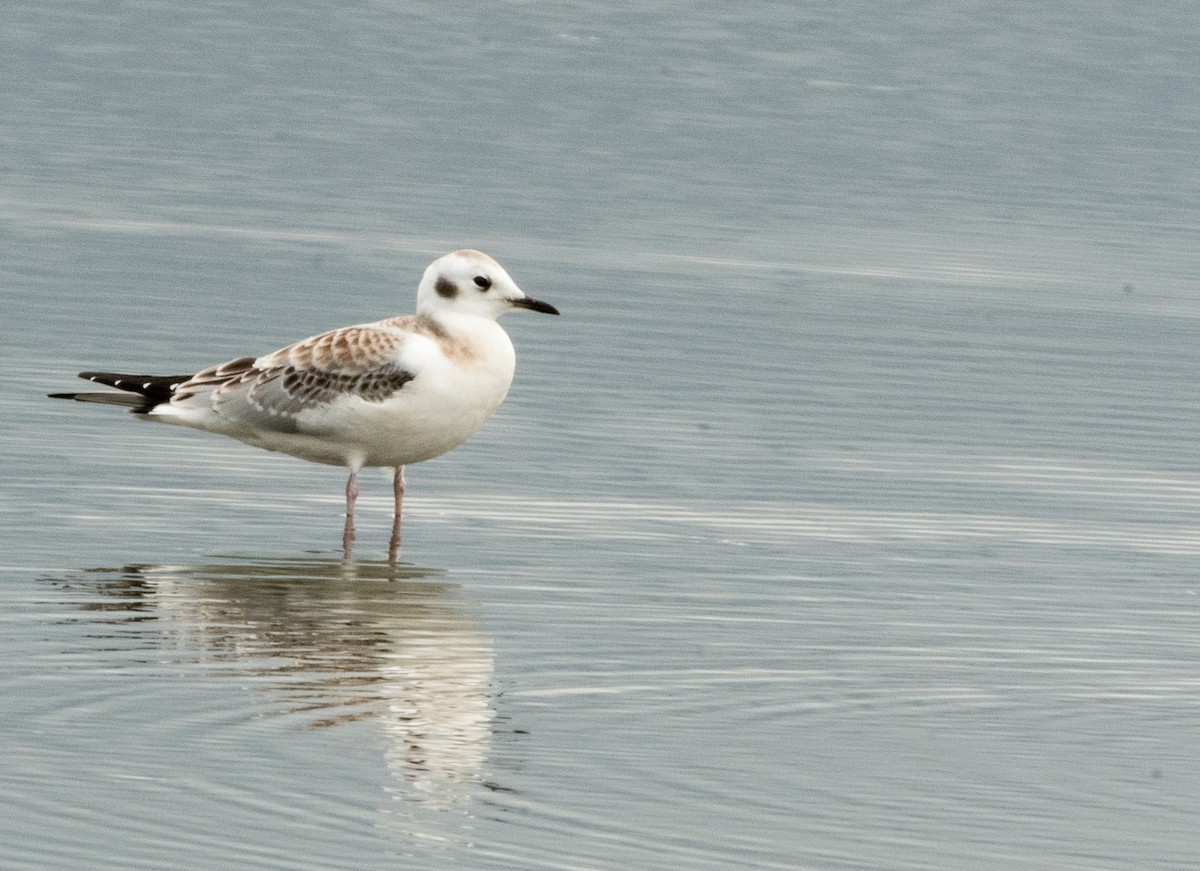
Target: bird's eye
{"type": "Point", "coordinates": [483, 282]}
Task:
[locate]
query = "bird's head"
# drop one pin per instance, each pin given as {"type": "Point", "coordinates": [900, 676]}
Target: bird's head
{"type": "Point", "coordinates": [471, 282]}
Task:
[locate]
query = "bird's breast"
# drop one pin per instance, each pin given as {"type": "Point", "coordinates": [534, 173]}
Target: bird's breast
{"type": "Point", "coordinates": [449, 398]}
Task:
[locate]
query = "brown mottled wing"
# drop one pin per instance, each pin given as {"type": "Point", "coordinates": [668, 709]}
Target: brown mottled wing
{"type": "Point", "coordinates": [312, 386]}
{"type": "Point", "coordinates": [346, 351]}
{"type": "Point", "coordinates": [351, 361]}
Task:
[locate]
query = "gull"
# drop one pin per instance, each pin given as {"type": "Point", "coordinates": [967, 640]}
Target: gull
{"type": "Point", "coordinates": [389, 393]}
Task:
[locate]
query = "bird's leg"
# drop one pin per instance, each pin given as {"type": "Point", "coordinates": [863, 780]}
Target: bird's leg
{"type": "Point", "coordinates": [348, 529]}
{"type": "Point", "coordinates": [348, 538]}
{"type": "Point", "coordinates": [351, 492]}
{"type": "Point", "coordinates": [398, 493]}
{"type": "Point", "coordinates": [398, 490]}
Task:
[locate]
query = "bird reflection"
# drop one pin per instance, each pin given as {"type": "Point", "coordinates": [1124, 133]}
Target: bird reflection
{"type": "Point", "coordinates": [337, 646]}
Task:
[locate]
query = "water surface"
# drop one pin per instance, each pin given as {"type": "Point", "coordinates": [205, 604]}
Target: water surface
{"type": "Point", "coordinates": [847, 519]}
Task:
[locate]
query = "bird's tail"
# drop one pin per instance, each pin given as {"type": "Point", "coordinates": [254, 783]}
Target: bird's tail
{"type": "Point", "coordinates": [140, 393]}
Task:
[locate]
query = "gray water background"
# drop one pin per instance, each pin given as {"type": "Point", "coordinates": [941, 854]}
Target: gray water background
{"type": "Point", "coordinates": [846, 519]}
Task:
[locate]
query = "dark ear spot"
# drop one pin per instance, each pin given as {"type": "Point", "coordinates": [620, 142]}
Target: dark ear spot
{"type": "Point", "coordinates": [446, 288]}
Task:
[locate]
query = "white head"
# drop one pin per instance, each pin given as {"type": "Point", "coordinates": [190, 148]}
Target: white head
{"type": "Point", "coordinates": [470, 282]}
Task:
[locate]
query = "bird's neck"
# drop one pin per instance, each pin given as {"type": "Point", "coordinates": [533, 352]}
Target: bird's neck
{"type": "Point", "coordinates": [470, 337]}
{"type": "Point", "coordinates": [462, 325]}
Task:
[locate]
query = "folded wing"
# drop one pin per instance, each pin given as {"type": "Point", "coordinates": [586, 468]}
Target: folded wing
{"type": "Point", "coordinates": [353, 362]}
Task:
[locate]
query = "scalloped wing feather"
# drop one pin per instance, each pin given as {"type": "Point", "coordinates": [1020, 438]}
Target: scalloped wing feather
{"type": "Point", "coordinates": [356, 361]}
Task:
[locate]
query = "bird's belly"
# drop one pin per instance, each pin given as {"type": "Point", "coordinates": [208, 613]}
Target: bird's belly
{"type": "Point", "coordinates": [416, 424]}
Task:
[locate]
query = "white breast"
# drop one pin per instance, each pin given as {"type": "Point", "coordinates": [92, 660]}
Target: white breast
{"type": "Point", "coordinates": [444, 405]}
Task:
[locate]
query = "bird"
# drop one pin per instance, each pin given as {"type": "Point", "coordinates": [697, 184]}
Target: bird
{"type": "Point", "coordinates": [389, 393]}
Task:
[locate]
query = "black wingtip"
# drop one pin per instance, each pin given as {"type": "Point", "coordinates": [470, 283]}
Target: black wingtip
{"type": "Point", "coordinates": [140, 393]}
{"type": "Point", "coordinates": [132, 401]}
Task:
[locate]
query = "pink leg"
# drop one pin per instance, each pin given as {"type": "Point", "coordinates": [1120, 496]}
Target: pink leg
{"type": "Point", "coordinates": [351, 493]}
{"type": "Point", "coordinates": [398, 492]}
{"type": "Point", "coordinates": [348, 529]}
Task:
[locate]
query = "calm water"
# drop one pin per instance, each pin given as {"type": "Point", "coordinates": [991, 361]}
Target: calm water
{"type": "Point", "coordinates": [848, 519]}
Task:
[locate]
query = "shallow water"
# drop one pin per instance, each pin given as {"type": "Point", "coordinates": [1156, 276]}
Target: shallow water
{"type": "Point", "coordinates": [848, 518]}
